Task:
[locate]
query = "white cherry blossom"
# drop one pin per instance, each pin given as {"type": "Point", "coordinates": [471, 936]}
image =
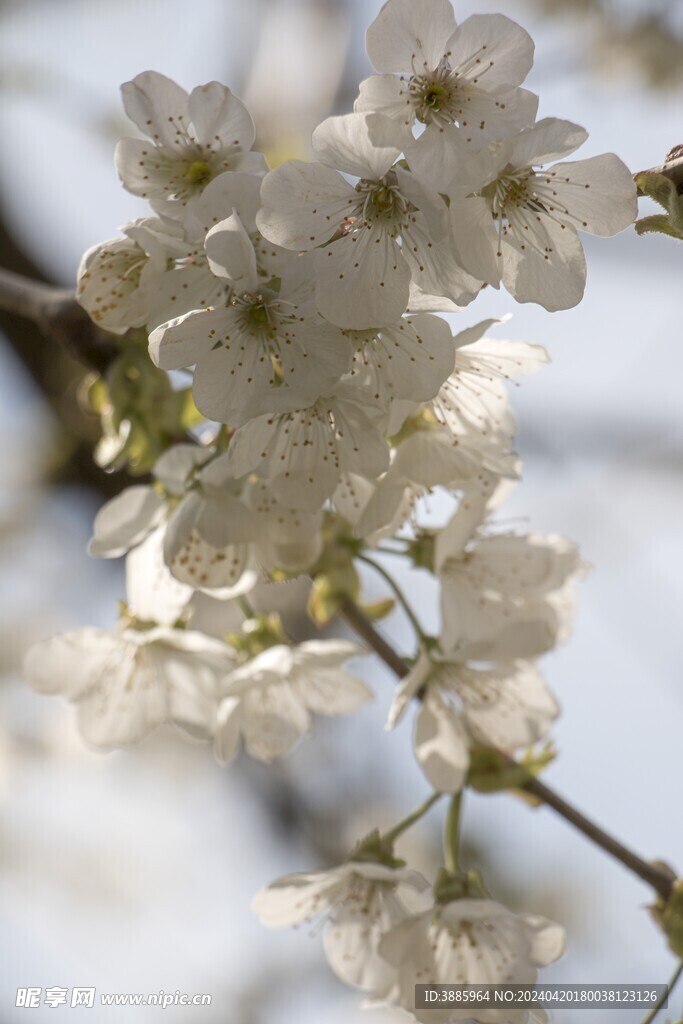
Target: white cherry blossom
{"type": "Point", "coordinates": [269, 701]}
{"type": "Point", "coordinates": [304, 453]}
{"type": "Point", "coordinates": [360, 902]}
{"type": "Point", "coordinates": [518, 224]}
{"type": "Point", "coordinates": [504, 706]}
{"type": "Point", "coordinates": [118, 280]}
{"type": "Point", "coordinates": [503, 596]}
{"type": "Point", "coordinates": [409, 359]}
{"type": "Point", "coordinates": [125, 682]}
{"type": "Point", "coordinates": [469, 942]}
{"type": "Point", "coordinates": [192, 139]}
{"type": "Point", "coordinates": [363, 272]}
{"type": "Point", "coordinates": [267, 350]}
{"type": "Point", "coordinates": [460, 82]}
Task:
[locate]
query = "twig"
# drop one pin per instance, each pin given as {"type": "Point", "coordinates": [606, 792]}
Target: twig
{"type": "Point", "coordinates": [656, 877]}
{"type": "Point", "coordinates": [662, 999]}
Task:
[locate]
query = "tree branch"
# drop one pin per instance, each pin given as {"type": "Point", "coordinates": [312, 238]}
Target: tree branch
{"type": "Point", "coordinates": [657, 877]}
{"type": "Point", "coordinates": [58, 315]}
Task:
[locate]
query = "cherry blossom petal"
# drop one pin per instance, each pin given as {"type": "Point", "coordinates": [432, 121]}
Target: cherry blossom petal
{"type": "Point", "coordinates": [441, 744]}
{"type": "Point", "coordinates": [158, 107]}
{"type": "Point", "coordinates": [303, 205]}
{"type": "Point", "coordinates": [492, 52]}
{"type": "Point", "coordinates": [344, 143]}
{"type": "Point", "coordinates": [181, 342]}
{"type": "Point", "coordinates": [219, 119]}
{"type": "Point", "coordinates": [597, 195]}
{"type": "Point", "coordinates": [410, 33]}
{"type": "Point", "coordinates": [363, 280]}
{"type": "Point", "coordinates": [125, 520]}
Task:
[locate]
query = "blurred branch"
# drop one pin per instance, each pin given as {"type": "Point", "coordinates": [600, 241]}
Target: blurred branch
{"type": "Point", "coordinates": [53, 338]}
{"type": "Point", "coordinates": [658, 877]}
{"type": "Point", "coordinates": [59, 317]}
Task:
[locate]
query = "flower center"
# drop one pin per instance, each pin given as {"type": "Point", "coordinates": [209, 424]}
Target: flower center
{"type": "Point", "coordinates": [437, 97]}
{"type": "Point", "coordinates": [198, 174]}
{"type": "Point", "coordinates": [513, 189]}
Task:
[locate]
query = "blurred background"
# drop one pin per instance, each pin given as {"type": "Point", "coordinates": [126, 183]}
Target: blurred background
{"type": "Point", "coordinates": [134, 871]}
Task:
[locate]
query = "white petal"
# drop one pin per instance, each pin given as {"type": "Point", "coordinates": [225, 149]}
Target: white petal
{"type": "Point", "coordinates": [596, 195]}
{"type": "Point", "coordinates": [125, 520]}
{"type": "Point", "coordinates": [410, 34]}
{"type": "Point", "coordinates": [492, 52]}
{"type": "Point", "coordinates": [231, 254]}
{"type": "Point", "coordinates": [232, 191]}
{"type": "Point", "coordinates": [174, 468]}
{"type": "Point", "coordinates": [475, 241]}
{"type": "Point", "coordinates": [548, 939]}
{"type": "Point", "coordinates": [157, 106]}
{"type": "Point", "coordinates": [408, 688]}
{"type": "Point", "coordinates": [228, 729]}
{"type": "Point", "coordinates": [153, 593]}
{"type": "Point", "coordinates": [303, 204]}
{"type": "Point", "coordinates": [548, 140]}
{"type": "Point", "coordinates": [219, 119]}
{"type": "Point", "coordinates": [182, 341]}
{"type": "Point", "coordinates": [71, 664]}
{"type": "Point", "coordinates": [384, 94]}
{"type": "Point", "coordinates": [554, 278]}
{"type": "Point", "coordinates": [294, 898]}
{"type": "Point", "coordinates": [345, 143]}
{"type": "Point", "coordinates": [441, 745]}
{"type": "Point", "coordinates": [508, 706]}
{"type": "Point", "coordinates": [274, 721]}
{"type": "Point", "coordinates": [363, 280]}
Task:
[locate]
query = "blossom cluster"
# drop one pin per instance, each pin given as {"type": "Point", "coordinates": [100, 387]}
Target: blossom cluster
{"type": "Point", "coordinates": [313, 305]}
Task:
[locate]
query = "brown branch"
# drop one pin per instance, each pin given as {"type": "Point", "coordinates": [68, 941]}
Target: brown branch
{"type": "Point", "coordinates": [59, 317]}
{"type": "Point", "coordinates": [657, 877]}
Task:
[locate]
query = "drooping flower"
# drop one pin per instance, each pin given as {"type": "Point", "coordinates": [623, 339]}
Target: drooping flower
{"type": "Point", "coordinates": [503, 596]}
{"type": "Point", "coordinates": [268, 702]}
{"type": "Point", "coordinates": [460, 82]}
{"type": "Point", "coordinates": [518, 224]}
{"type": "Point", "coordinates": [373, 236]}
{"type": "Point", "coordinates": [127, 681]}
{"type": "Point", "coordinates": [192, 139]}
{"type": "Point", "coordinates": [503, 706]}
{"type": "Point", "coordinates": [468, 942]}
{"type": "Point", "coordinates": [360, 901]}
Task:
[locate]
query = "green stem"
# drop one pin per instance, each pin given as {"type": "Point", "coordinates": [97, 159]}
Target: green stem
{"type": "Point", "coordinates": [451, 835]}
{"type": "Point", "coordinates": [245, 607]}
{"type": "Point", "coordinates": [408, 822]}
{"type": "Point", "coordinates": [402, 599]}
{"type": "Point", "coordinates": [662, 999]}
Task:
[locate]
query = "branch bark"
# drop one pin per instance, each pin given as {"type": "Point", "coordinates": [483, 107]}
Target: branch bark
{"type": "Point", "coordinates": [658, 878]}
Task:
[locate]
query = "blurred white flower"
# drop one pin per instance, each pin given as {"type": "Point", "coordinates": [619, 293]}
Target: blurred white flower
{"type": "Point", "coordinates": [360, 903]}
{"type": "Point", "coordinates": [268, 702]}
{"type": "Point", "coordinates": [468, 942]}
{"type": "Point", "coordinates": [504, 706]}
{"type": "Point", "coordinates": [193, 139]}
{"type": "Point", "coordinates": [503, 597]}
{"type": "Point", "coordinates": [127, 681]}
